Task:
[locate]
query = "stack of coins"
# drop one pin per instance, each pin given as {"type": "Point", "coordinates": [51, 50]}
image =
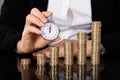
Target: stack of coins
{"type": "Point", "coordinates": [54, 52]}
{"type": "Point", "coordinates": [25, 63]}
{"type": "Point", "coordinates": [81, 58]}
{"type": "Point", "coordinates": [95, 53]}
{"type": "Point", "coordinates": [25, 69]}
{"type": "Point", "coordinates": [41, 62]}
{"type": "Point", "coordinates": [68, 50]}
{"type": "Point", "coordinates": [95, 73]}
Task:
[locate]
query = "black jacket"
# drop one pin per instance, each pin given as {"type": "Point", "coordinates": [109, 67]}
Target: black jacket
{"type": "Point", "coordinates": [13, 14]}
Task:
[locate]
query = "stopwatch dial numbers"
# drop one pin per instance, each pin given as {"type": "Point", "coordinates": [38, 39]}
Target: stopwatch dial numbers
{"type": "Point", "coordinates": [50, 31]}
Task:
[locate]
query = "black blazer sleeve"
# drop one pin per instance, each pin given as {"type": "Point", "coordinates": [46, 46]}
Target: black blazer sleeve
{"type": "Point", "coordinates": [12, 21]}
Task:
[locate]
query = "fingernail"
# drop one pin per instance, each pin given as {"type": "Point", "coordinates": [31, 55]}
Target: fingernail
{"type": "Point", "coordinates": [45, 20]}
{"type": "Point", "coordinates": [50, 12]}
{"type": "Point", "coordinates": [41, 24]}
{"type": "Point", "coordinates": [40, 32]}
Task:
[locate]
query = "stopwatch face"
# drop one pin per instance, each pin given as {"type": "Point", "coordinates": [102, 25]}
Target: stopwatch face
{"type": "Point", "coordinates": [50, 31]}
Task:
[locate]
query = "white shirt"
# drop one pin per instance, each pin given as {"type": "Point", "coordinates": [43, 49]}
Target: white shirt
{"type": "Point", "coordinates": [71, 16]}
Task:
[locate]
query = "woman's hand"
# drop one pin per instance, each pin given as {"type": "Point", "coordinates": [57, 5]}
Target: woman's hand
{"type": "Point", "coordinates": [31, 36]}
{"type": "Point", "coordinates": [75, 49]}
{"type": "Point", "coordinates": [46, 51]}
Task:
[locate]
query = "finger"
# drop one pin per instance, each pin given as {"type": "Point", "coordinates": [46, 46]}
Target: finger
{"type": "Point", "coordinates": [102, 49]}
{"type": "Point", "coordinates": [34, 54]}
{"type": "Point", "coordinates": [30, 20]}
{"type": "Point", "coordinates": [61, 52]}
{"type": "Point", "coordinates": [57, 39]}
{"type": "Point", "coordinates": [40, 52]}
{"type": "Point", "coordinates": [37, 52]}
{"type": "Point", "coordinates": [38, 14]}
{"type": "Point", "coordinates": [31, 29]}
{"type": "Point", "coordinates": [47, 14]}
{"type": "Point", "coordinates": [47, 54]}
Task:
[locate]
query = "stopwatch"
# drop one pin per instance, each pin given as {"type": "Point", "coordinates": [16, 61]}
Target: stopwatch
{"type": "Point", "coordinates": [50, 30]}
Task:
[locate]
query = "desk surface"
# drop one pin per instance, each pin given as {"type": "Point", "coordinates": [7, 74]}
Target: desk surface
{"type": "Point", "coordinates": [12, 70]}
{"type": "Point", "coordinates": [31, 74]}
{"type": "Point", "coordinates": [32, 71]}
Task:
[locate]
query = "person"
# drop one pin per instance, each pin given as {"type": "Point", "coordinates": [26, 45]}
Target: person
{"type": "Point", "coordinates": [20, 23]}
{"type": "Point", "coordinates": [21, 31]}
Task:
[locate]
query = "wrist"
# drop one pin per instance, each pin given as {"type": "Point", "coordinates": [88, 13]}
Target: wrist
{"type": "Point", "coordinates": [22, 49]}
{"type": "Point", "coordinates": [19, 49]}
{"type": "Point", "coordinates": [55, 42]}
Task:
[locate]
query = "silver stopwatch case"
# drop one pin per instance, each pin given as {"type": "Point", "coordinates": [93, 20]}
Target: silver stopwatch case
{"type": "Point", "coordinates": [50, 30]}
